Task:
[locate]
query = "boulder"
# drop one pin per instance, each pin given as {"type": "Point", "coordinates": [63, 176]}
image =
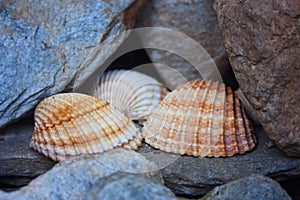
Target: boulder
{"type": "Point", "coordinates": [51, 46]}
{"type": "Point", "coordinates": [196, 19]}
{"type": "Point", "coordinates": [252, 187]}
{"type": "Point", "coordinates": [74, 177]}
{"type": "Point", "coordinates": [262, 42]}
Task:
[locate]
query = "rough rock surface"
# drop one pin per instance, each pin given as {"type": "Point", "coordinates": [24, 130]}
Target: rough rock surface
{"type": "Point", "coordinates": [262, 41]}
{"type": "Point", "coordinates": [197, 19]}
{"type": "Point", "coordinates": [119, 186]}
{"type": "Point", "coordinates": [72, 178]}
{"type": "Point", "coordinates": [50, 46]}
{"type": "Point", "coordinates": [252, 187]}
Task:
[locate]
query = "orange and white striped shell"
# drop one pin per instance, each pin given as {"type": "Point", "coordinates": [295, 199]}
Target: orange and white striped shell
{"type": "Point", "coordinates": [133, 93]}
{"type": "Point", "coordinates": [72, 124]}
{"type": "Point", "coordinates": [200, 118]}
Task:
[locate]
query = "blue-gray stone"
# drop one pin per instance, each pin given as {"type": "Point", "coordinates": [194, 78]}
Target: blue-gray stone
{"type": "Point", "coordinates": [252, 187]}
{"type": "Point", "coordinates": [50, 46]}
{"type": "Point", "coordinates": [119, 186]}
{"type": "Point", "coordinates": [74, 177]}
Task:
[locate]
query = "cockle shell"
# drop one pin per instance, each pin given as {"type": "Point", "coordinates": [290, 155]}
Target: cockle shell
{"type": "Point", "coordinates": [200, 118]}
{"type": "Point", "coordinates": [131, 92]}
{"type": "Point", "coordinates": [71, 124]}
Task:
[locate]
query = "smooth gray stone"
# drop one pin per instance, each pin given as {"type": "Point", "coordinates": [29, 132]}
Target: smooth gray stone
{"type": "Point", "coordinates": [50, 46]}
{"type": "Point", "coordinates": [74, 177]}
{"type": "Point", "coordinates": [19, 164]}
{"type": "Point", "coordinates": [252, 187]}
{"type": "Point", "coordinates": [120, 186]}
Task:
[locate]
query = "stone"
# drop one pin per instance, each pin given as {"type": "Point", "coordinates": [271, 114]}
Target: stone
{"type": "Point", "coordinates": [196, 19]}
{"type": "Point", "coordinates": [74, 177]}
{"type": "Point", "coordinates": [119, 186]}
{"type": "Point", "coordinates": [19, 163]}
{"type": "Point", "coordinates": [184, 175]}
{"type": "Point", "coordinates": [252, 187]}
{"type": "Point", "coordinates": [51, 46]}
{"type": "Point", "coordinates": [195, 176]}
{"type": "Point", "coordinates": [262, 42]}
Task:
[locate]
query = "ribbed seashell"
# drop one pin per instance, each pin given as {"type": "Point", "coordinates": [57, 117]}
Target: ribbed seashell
{"type": "Point", "coordinates": [72, 124]}
{"type": "Point", "coordinates": [133, 93]}
{"type": "Point", "coordinates": [200, 118]}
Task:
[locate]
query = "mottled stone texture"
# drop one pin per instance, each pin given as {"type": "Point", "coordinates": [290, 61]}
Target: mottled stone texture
{"type": "Point", "coordinates": [50, 46]}
{"type": "Point", "coordinates": [252, 187]}
{"type": "Point", "coordinates": [197, 19]}
{"type": "Point", "coordinates": [262, 41]}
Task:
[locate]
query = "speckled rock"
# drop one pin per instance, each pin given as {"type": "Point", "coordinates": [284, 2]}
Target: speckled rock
{"type": "Point", "coordinates": [262, 42]}
{"type": "Point", "coordinates": [50, 46]}
{"type": "Point", "coordinates": [73, 177]}
{"type": "Point", "coordinates": [120, 186]}
{"type": "Point", "coordinates": [252, 187]}
{"type": "Point", "coordinates": [197, 19]}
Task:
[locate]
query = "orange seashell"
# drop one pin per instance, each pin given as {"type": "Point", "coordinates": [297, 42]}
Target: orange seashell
{"type": "Point", "coordinates": [133, 93]}
{"type": "Point", "coordinates": [200, 118]}
{"type": "Point", "coordinates": [71, 124]}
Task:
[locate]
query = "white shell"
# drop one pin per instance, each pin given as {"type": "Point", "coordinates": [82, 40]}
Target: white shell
{"type": "Point", "coordinates": [133, 93]}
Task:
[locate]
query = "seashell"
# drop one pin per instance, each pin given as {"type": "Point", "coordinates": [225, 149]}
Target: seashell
{"type": "Point", "coordinates": [200, 118]}
{"type": "Point", "coordinates": [72, 124]}
{"type": "Point", "coordinates": [133, 93]}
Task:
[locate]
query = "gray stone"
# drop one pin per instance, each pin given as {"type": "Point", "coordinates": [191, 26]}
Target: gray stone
{"type": "Point", "coordinates": [262, 42]}
{"type": "Point", "coordinates": [185, 175]}
{"type": "Point", "coordinates": [50, 46]}
{"type": "Point", "coordinates": [120, 186]}
{"type": "Point", "coordinates": [73, 178]}
{"type": "Point", "coordinates": [252, 187]}
{"type": "Point", "coordinates": [197, 19]}
{"type": "Point", "coordinates": [196, 176]}
{"type": "Point", "coordinates": [20, 164]}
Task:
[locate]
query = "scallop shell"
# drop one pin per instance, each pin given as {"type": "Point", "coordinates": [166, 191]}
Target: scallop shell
{"type": "Point", "coordinates": [133, 93]}
{"type": "Point", "coordinates": [72, 124]}
{"type": "Point", "coordinates": [200, 118]}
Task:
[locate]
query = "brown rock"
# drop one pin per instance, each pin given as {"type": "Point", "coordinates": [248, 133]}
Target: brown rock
{"type": "Point", "coordinates": [197, 19]}
{"type": "Point", "coordinates": [262, 41]}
